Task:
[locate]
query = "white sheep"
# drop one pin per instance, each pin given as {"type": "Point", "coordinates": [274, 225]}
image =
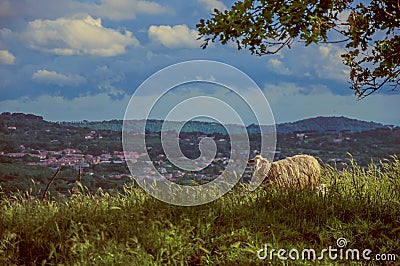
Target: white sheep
{"type": "Point", "coordinates": [298, 171]}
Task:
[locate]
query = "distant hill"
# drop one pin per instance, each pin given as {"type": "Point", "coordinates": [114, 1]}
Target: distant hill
{"type": "Point", "coordinates": [319, 124]}
{"type": "Point", "coordinates": [22, 121]}
{"type": "Point", "coordinates": [328, 124]}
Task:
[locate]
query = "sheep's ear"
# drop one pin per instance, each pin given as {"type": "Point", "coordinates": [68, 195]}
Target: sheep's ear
{"type": "Point", "coordinates": [265, 161]}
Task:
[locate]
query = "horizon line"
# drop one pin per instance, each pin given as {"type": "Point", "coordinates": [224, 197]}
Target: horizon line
{"type": "Point", "coordinates": [157, 119]}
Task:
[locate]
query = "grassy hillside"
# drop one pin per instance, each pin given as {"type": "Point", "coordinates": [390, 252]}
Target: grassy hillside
{"type": "Point", "coordinates": [361, 205]}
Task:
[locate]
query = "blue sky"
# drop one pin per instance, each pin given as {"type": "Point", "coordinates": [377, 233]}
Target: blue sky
{"type": "Point", "coordinates": [76, 60]}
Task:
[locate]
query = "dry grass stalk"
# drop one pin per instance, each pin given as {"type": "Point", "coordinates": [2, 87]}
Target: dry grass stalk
{"type": "Point", "coordinates": [50, 182]}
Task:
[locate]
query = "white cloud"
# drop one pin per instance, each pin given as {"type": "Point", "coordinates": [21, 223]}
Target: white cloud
{"type": "Point", "coordinates": [178, 36]}
{"type": "Point", "coordinates": [321, 61]}
{"type": "Point", "coordinates": [50, 9]}
{"type": "Point", "coordinates": [125, 9]}
{"type": "Point", "coordinates": [290, 102]}
{"type": "Point", "coordinates": [112, 91]}
{"type": "Point", "coordinates": [52, 77]}
{"type": "Point", "coordinates": [330, 64]}
{"type": "Point", "coordinates": [210, 5]}
{"type": "Point", "coordinates": [324, 51]}
{"type": "Point", "coordinates": [276, 65]}
{"type": "Point", "coordinates": [6, 57]}
{"type": "Point", "coordinates": [77, 35]}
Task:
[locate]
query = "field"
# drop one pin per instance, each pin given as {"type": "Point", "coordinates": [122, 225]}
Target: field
{"type": "Point", "coordinates": [132, 228]}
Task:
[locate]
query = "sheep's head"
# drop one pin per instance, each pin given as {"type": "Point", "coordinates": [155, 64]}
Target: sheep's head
{"type": "Point", "coordinates": [261, 165]}
{"type": "Point", "coordinates": [259, 162]}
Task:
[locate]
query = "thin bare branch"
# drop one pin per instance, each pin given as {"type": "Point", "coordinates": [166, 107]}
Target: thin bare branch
{"type": "Point", "coordinates": [51, 182]}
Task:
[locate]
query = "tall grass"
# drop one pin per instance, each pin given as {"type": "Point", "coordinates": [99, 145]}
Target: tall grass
{"type": "Point", "coordinates": [361, 205]}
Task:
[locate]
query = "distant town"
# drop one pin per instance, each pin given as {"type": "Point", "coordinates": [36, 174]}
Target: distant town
{"type": "Point", "coordinates": [76, 159]}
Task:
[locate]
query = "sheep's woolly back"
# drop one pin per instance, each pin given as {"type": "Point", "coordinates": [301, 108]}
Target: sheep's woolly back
{"type": "Point", "coordinates": [299, 170]}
